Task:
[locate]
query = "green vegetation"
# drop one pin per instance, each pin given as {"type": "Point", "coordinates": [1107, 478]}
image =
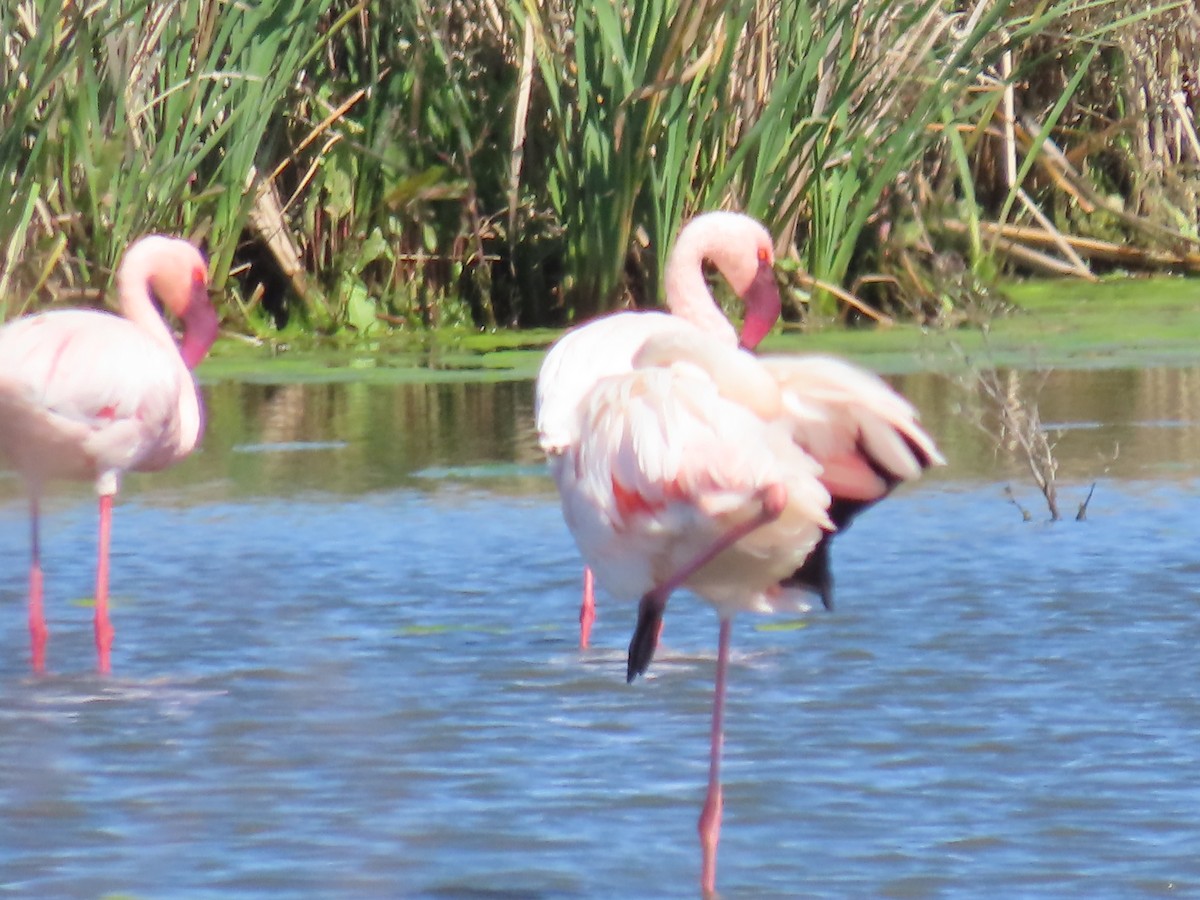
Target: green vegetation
{"type": "Point", "coordinates": [359, 169]}
{"type": "Point", "coordinates": [1060, 323]}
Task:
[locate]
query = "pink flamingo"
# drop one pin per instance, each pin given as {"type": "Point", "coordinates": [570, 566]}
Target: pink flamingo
{"type": "Point", "coordinates": [700, 468]}
{"type": "Point", "coordinates": [741, 250]}
{"type": "Point", "coordinates": [86, 394]}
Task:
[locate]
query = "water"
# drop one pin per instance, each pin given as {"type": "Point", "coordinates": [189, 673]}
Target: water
{"type": "Point", "coordinates": [345, 666]}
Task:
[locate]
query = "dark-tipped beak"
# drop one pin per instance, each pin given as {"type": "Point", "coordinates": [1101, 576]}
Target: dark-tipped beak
{"type": "Point", "coordinates": [763, 306]}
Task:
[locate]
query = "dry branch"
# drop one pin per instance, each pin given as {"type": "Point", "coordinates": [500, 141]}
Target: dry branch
{"type": "Point", "coordinates": [808, 282]}
{"type": "Point", "coordinates": [1052, 154]}
{"type": "Point", "coordinates": [1019, 240]}
{"type": "Point", "coordinates": [267, 221]}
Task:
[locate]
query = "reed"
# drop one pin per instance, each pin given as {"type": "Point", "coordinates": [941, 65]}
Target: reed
{"type": "Point", "coordinates": [1055, 176]}
{"type": "Point", "coordinates": [354, 167]}
{"type": "Point", "coordinates": [122, 118]}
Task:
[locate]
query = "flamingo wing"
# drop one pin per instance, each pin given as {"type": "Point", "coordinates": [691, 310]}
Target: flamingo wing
{"type": "Point", "coordinates": [865, 435]}
{"type": "Point", "coordinates": [665, 465]}
{"type": "Point", "coordinates": [84, 393]}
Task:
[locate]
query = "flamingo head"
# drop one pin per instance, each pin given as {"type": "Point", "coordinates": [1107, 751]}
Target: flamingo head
{"type": "Point", "coordinates": [176, 274]}
{"type": "Point", "coordinates": [743, 252]}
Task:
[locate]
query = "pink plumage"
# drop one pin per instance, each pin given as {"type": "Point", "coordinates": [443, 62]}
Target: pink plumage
{"type": "Point", "coordinates": [741, 250]}
{"type": "Point", "coordinates": [693, 463]}
{"type": "Point", "coordinates": [88, 395]}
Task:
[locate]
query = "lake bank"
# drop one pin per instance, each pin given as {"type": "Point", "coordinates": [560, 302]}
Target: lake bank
{"type": "Point", "coordinates": [1056, 324]}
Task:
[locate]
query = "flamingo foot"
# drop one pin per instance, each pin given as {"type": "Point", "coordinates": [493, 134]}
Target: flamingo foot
{"type": "Point", "coordinates": [104, 639]}
{"type": "Point", "coordinates": [38, 632]}
{"type": "Point", "coordinates": [587, 609]}
{"type": "Point", "coordinates": [710, 834]}
{"type": "Point", "coordinates": [645, 635]}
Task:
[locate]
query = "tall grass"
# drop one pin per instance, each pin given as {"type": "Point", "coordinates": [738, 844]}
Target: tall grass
{"type": "Point", "coordinates": [125, 117]}
{"type": "Point", "coordinates": [616, 80]}
{"type": "Point", "coordinates": [354, 167]}
{"type": "Point", "coordinates": [804, 114]}
{"type": "Point", "coordinates": [852, 92]}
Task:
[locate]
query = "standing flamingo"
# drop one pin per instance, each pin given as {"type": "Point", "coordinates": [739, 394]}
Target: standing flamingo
{"type": "Point", "coordinates": [700, 468]}
{"type": "Point", "coordinates": [89, 395]}
{"type": "Point", "coordinates": [741, 250]}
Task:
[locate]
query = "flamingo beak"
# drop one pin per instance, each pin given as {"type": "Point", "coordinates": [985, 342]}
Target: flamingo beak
{"type": "Point", "coordinates": [200, 321]}
{"type": "Point", "coordinates": [763, 306]}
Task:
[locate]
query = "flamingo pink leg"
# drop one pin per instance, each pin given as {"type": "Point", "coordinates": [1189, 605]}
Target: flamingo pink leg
{"type": "Point", "coordinates": [773, 498]}
{"type": "Point", "coordinates": [710, 816]}
{"type": "Point", "coordinates": [38, 633]}
{"type": "Point", "coordinates": [104, 629]}
{"type": "Point", "coordinates": [648, 631]}
{"type": "Point", "coordinates": [587, 609]}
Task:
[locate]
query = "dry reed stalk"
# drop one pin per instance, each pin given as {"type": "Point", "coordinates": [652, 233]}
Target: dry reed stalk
{"type": "Point", "coordinates": [1063, 245]}
{"type": "Point", "coordinates": [1033, 259]}
{"type": "Point", "coordinates": [520, 123]}
{"type": "Point", "coordinates": [1014, 239]}
{"type": "Point", "coordinates": [808, 282]}
{"type": "Point", "coordinates": [336, 115]}
{"type": "Point", "coordinates": [1186, 123]}
{"type": "Point", "coordinates": [1054, 155]}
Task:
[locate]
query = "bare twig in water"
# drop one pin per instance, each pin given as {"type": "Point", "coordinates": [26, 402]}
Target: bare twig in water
{"type": "Point", "coordinates": [1012, 498]}
{"type": "Point", "coordinates": [1018, 428]}
{"type": "Point", "coordinates": [1010, 417]}
{"type": "Point", "coordinates": [1082, 514]}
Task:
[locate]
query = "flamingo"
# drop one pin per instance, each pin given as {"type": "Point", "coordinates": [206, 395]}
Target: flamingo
{"type": "Point", "coordinates": [89, 395]}
{"type": "Point", "coordinates": [741, 250]}
{"type": "Point", "coordinates": [708, 468]}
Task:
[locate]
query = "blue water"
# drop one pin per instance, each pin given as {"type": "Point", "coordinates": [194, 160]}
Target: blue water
{"type": "Point", "coordinates": [375, 692]}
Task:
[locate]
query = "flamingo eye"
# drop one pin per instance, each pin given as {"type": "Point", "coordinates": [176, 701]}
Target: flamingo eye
{"type": "Point", "coordinates": [199, 276]}
{"type": "Point", "coordinates": [764, 254]}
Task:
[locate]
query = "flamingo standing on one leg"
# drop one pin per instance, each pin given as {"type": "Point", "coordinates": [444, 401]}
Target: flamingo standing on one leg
{"type": "Point", "coordinates": [741, 250]}
{"type": "Point", "coordinates": [86, 394]}
{"type": "Point", "coordinates": [692, 470]}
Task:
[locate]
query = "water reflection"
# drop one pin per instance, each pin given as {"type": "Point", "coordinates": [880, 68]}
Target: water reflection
{"type": "Point", "coordinates": [1121, 423]}
{"type": "Point", "coordinates": [359, 437]}
{"type": "Point", "coordinates": [348, 669]}
{"type": "Point", "coordinates": [352, 438]}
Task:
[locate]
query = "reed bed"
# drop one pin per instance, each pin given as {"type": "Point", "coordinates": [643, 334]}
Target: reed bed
{"type": "Point", "coordinates": [355, 167]}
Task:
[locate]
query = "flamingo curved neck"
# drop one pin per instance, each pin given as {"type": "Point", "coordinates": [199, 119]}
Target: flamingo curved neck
{"type": "Point", "coordinates": [688, 295]}
{"type": "Point", "coordinates": [136, 301]}
{"type": "Point", "coordinates": [137, 305]}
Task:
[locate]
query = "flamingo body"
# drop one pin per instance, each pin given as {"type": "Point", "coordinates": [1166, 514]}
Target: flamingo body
{"type": "Point", "coordinates": [741, 250]}
{"type": "Point", "coordinates": [87, 395]}
{"type": "Point", "coordinates": [666, 466]}
{"type": "Point", "coordinates": [579, 359]}
{"type": "Point", "coordinates": [706, 467]}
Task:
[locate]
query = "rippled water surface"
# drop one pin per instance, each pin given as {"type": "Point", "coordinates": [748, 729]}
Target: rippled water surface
{"type": "Point", "coordinates": [345, 666]}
